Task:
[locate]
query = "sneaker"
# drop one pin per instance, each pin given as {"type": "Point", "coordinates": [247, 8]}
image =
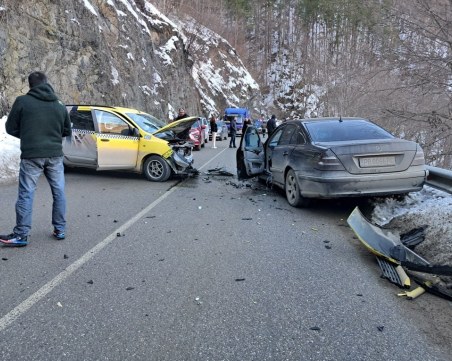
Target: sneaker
{"type": "Point", "coordinates": [58, 235]}
{"type": "Point", "coordinates": [13, 240]}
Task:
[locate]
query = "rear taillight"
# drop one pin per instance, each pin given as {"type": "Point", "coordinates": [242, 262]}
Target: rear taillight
{"type": "Point", "coordinates": [419, 158]}
{"type": "Point", "coordinates": [329, 161]}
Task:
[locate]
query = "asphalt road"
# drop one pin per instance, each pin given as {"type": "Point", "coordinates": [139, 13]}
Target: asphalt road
{"type": "Point", "coordinates": [197, 269]}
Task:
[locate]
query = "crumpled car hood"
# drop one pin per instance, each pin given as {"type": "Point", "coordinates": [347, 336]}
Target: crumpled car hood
{"type": "Point", "coordinates": [178, 129]}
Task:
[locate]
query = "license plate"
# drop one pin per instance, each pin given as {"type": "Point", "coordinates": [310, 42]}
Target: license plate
{"type": "Point", "coordinates": [377, 162]}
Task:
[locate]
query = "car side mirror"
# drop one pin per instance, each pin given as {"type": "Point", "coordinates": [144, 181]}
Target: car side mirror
{"type": "Point", "coordinates": [136, 132]}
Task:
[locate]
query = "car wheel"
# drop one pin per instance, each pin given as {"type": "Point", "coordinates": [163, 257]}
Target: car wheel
{"type": "Point", "coordinates": [156, 169]}
{"type": "Point", "coordinates": [292, 189]}
{"type": "Point", "coordinates": [198, 147]}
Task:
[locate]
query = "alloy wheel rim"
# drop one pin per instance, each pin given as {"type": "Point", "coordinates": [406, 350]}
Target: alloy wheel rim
{"type": "Point", "coordinates": [155, 169]}
{"type": "Point", "coordinates": [291, 187]}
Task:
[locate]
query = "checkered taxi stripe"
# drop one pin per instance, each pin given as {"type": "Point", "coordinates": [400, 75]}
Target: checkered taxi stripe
{"type": "Point", "coordinates": [106, 135]}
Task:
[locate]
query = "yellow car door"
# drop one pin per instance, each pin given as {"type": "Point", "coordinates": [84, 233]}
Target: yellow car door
{"type": "Point", "coordinates": [117, 146]}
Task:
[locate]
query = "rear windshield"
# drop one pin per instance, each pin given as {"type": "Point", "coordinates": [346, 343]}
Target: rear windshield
{"type": "Point", "coordinates": [337, 131]}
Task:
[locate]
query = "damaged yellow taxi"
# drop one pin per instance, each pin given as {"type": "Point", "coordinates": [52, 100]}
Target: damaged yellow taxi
{"type": "Point", "coordinates": [116, 138]}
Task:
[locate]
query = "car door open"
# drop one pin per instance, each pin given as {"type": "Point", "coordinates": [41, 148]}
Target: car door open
{"type": "Point", "coordinates": [250, 154]}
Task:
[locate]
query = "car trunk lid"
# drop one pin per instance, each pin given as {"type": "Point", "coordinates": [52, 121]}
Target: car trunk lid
{"type": "Point", "coordinates": [374, 156]}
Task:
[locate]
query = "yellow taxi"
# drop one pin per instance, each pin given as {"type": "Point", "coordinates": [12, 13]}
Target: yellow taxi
{"type": "Point", "coordinates": [116, 138]}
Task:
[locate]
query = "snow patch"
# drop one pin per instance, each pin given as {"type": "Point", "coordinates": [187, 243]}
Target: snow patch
{"type": "Point", "coordinates": [90, 7]}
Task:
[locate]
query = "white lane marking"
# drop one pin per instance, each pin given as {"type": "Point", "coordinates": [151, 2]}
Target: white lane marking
{"type": "Point", "coordinates": [205, 164]}
{"type": "Point", "coordinates": [24, 306]}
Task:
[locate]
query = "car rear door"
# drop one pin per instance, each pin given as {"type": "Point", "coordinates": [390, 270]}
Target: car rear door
{"type": "Point", "coordinates": [117, 147]}
{"type": "Point", "coordinates": [281, 150]}
{"type": "Point", "coordinates": [80, 148]}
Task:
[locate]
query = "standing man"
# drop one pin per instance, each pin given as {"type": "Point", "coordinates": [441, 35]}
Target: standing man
{"type": "Point", "coordinates": [40, 120]}
{"type": "Point", "coordinates": [181, 115]}
{"type": "Point", "coordinates": [271, 125]}
{"type": "Point", "coordinates": [233, 130]}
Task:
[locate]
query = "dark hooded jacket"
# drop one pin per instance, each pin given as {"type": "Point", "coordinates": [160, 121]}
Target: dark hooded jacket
{"type": "Point", "coordinates": [41, 121]}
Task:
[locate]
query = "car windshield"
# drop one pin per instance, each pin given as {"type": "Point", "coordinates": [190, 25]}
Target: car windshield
{"type": "Point", "coordinates": [338, 131]}
{"type": "Point", "coordinates": [196, 125]}
{"type": "Point", "coordinates": [146, 122]}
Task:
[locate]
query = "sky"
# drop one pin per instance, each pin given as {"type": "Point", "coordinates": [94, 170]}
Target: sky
{"type": "Point", "coordinates": [428, 207]}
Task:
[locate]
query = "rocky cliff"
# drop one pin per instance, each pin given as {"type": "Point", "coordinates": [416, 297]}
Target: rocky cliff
{"type": "Point", "coordinates": [118, 52]}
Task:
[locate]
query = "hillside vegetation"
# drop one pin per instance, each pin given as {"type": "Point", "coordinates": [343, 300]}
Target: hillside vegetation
{"type": "Point", "coordinates": [387, 60]}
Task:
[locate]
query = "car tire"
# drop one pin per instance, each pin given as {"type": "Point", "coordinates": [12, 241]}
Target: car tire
{"type": "Point", "coordinates": [156, 169]}
{"type": "Point", "coordinates": [292, 190]}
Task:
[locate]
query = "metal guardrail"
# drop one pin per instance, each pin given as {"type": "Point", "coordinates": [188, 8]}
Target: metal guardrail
{"type": "Point", "coordinates": [439, 178]}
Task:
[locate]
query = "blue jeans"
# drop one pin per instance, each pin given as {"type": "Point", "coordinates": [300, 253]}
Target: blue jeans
{"type": "Point", "coordinates": [30, 171]}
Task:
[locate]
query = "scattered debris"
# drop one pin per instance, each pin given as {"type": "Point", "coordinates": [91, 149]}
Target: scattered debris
{"type": "Point", "coordinates": [393, 273]}
{"type": "Point", "coordinates": [90, 282]}
{"type": "Point", "coordinates": [59, 304]}
{"type": "Point", "coordinates": [397, 260]}
{"type": "Point", "coordinates": [412, 294]}
{"type": "Point", "coordinates": [4, 259]}
{"type": "Point", "coordinates": [247, 219]}
{"type": "Point", "coordinates": [219, 171]}
{"type": "Point", "coordinates": [65, 256]}
{"type": "Point", "coordinates": [412, 238]}
{"type": "Point", "coordinates": [380, 328]}
{"type": "Point", "coordinates": [327, 246]}
{"type": "Point", "coordinates": [239, 279]}
{"type": "Point", "coordinates": [315, 328]}
{"type": "Point", "coordinates": [130, 288]}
